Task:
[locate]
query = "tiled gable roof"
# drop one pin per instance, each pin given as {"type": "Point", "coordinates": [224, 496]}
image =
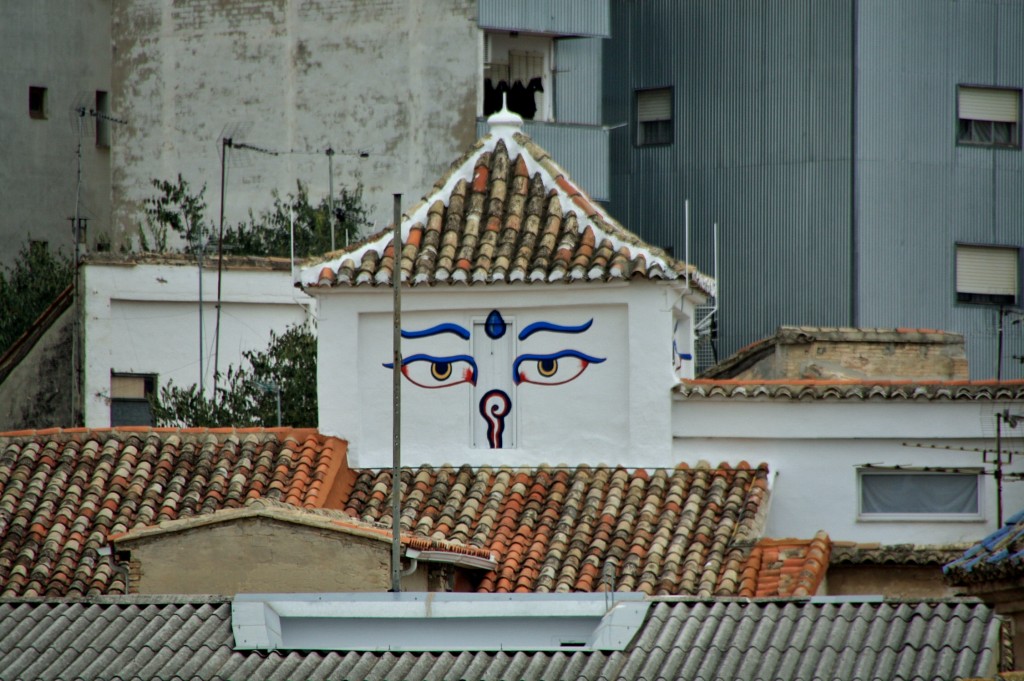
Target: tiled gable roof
{"type": "Point", "coordinates": [679, 531]}
{"type": "Point", "coordinates": [160, 639]}
{"type": "Point", "coordinates": [63, 493]}
{"type": "Point", "coordinates": [998, 556]}
{"type": "Point", "coordinates": [506, 212]}
{"type": "Point", "coordinates": [859, 390]}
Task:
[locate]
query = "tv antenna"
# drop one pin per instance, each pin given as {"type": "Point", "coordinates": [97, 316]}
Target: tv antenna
{"type": "Point", "coordinates": [232, 137]}
{"type": "Point", "coordinates": [82, 117]}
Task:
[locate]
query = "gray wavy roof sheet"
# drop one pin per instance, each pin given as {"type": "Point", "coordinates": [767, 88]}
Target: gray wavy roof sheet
{"type": "Point", "coordinates": [176, 638]}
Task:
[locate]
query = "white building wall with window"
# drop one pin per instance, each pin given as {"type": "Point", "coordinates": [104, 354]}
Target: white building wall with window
{"type": "Point", "coordinates": [827, 459]}
{"type": "Point", "coordinates": [142, 326]}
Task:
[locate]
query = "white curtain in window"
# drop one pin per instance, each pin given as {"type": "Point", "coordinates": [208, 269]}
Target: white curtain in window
{"type": "Point", "coordinates": [919, 493]}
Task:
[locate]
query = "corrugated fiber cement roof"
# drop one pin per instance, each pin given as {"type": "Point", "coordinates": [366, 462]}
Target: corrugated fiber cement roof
{"type": "Point", "coordinates": [157, 640]}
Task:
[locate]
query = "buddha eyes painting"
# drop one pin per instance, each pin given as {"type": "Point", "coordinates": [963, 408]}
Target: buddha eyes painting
{"type": "Point", "coordinates": [495, 363]}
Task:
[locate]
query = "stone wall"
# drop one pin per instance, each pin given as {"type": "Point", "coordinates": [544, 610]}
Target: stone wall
{"type": "Point", "coordinates": [852, 354]}
{"type": "Point", "coordinates": [262, 555]}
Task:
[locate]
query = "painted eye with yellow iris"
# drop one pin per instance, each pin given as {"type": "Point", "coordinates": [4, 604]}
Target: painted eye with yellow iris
{"type": "Point", "coordinates": [553, 369]}
{"type": "Point", "coordinates": [428, 371]}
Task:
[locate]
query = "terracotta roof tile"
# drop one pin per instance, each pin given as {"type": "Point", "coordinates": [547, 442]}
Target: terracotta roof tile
{"type": "Point", "coordinates": [868, 389]}
{"type": "Point", "coordinates": [63, 493]}
{"type": "Point", "coordinates": [557, 529]}
{"type": "Point", "coordinates": [783, 568]}
{"type": "Point", "coordinates": [504, 213]}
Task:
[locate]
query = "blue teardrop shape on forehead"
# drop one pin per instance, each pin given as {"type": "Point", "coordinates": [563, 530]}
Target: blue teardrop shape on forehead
{"type": "Point", "coordinates": [495, 326]}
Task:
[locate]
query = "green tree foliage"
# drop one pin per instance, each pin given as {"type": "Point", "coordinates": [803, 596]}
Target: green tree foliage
{"type": "Point", "coordinates": [28, 287]}
{"type": "Point", "coordinates": [177, 208]}
{"type": "Point", "coordinates": [247, 398]}
{"type": "Point", "coordinates": [269, 233]}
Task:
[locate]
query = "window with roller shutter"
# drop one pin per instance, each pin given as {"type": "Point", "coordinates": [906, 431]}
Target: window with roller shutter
{"type": "Point", "coordinates": [987, 274]}
{"type": "Point", "coordinates": [654, 117]}
{"type": "Point", "coordinates": [988, 117]}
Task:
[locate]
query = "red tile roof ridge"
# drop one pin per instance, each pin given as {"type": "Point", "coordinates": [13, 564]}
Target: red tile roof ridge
{"type": "Point", "coordinates": [285, 431]}
{"type": "Point", "coordinates": [849, 381]}
{"type": "Point", "coordinates": [325, 519]}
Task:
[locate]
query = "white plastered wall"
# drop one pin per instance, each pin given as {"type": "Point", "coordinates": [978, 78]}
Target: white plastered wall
{"type": "Point", "coordinates": [616, 412]}
{"type": "Point", "coordinates": [144, 319]}
{"type": "Point", "coordinates": [814, 448]}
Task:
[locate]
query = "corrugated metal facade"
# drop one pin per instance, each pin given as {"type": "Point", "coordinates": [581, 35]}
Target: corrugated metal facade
{"type": "Point", "coordinates": [581, 150]}
{"type": "Point", "coordinates": [578, 80]}
{"type": "Point", "coordinates": [762, 122]}
{"type": "Point", "coordinates": [558, 17]}
{"type": "Point", "coordinates": [919, 193]}
{"type": "Point", "coordinates": [840, 200]}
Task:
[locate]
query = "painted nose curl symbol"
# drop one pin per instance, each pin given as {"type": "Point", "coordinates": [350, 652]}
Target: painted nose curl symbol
{"type": "Point", "coordinates": [494, 407]}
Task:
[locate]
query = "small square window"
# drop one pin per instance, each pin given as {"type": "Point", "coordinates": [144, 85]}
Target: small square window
{"type": "Point", "coordinates": [654, 117]}
{"type": "Point", "coordinates": [988, 117]}
{"type": "Point", "coordinates": [987, 274]}
{"type": "Point", "coordinates": [129, 399]}
{"type": "Point", "coordinates": [902, 494]}
{"type": "Point", "coordinates": [36, 102]}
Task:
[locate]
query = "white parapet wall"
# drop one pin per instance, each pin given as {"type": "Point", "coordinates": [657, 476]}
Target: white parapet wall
{"type": "Point", "coordinates": [142, 317]}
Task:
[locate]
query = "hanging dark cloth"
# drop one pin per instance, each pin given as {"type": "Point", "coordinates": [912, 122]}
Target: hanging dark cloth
{"type": "Point", "coordinates": [493, 96]}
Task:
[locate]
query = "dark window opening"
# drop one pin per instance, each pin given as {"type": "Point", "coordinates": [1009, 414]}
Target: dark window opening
{"type": "Point", "coordinates": [37, 102]}
{"type": "Point", "coordinates": [102, 119]}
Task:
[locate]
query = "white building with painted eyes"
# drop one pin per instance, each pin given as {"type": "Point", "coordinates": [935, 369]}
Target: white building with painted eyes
{"type": "Point", "coordinates": [535, 328]}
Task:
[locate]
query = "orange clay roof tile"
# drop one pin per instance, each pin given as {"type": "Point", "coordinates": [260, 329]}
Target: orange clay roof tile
{"type": "Point", "coordinates": [83, 485]}
{"type": "Point", "coordinates": [581, 528]}
{"type": "Point", "coordinates": [785, 567]}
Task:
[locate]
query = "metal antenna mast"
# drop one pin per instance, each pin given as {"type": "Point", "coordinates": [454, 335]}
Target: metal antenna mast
{"type": "Point", "coordinates": [230, 138]}
{"type": "Point", "coordinates": [80, 113]}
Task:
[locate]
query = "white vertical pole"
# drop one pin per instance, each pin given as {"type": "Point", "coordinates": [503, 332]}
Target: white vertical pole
{"type": "Point", "coordinates": [396, 383]}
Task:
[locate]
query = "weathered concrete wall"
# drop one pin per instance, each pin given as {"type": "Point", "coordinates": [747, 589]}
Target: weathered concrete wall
{"type": "Point", "coordinates": [399, 80]}
{"type": "Point", "coordinates": [891, 581]}
{"type": "Point", "coordinates": [37, 392]}
{"type": "Point", "coordinates": [48, 44]}
{"type": "Point", "coordinates": [262, 555]}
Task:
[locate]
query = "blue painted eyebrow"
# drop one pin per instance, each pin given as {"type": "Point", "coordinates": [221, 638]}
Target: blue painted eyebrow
{"type": "Point", "coordinates": [554, 328]}
{"type": "Point", "coordinates": [459, 331]}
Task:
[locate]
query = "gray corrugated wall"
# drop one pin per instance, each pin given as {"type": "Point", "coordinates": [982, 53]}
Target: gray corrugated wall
{"type": "Point", "coordinates": [762, 110]}
{"type": "Point", "coordinates": [918, 192]}
{"type": "Point", "coordinates": [560, 17]}
{"type": "Point", "coordinates": [578, 80]}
